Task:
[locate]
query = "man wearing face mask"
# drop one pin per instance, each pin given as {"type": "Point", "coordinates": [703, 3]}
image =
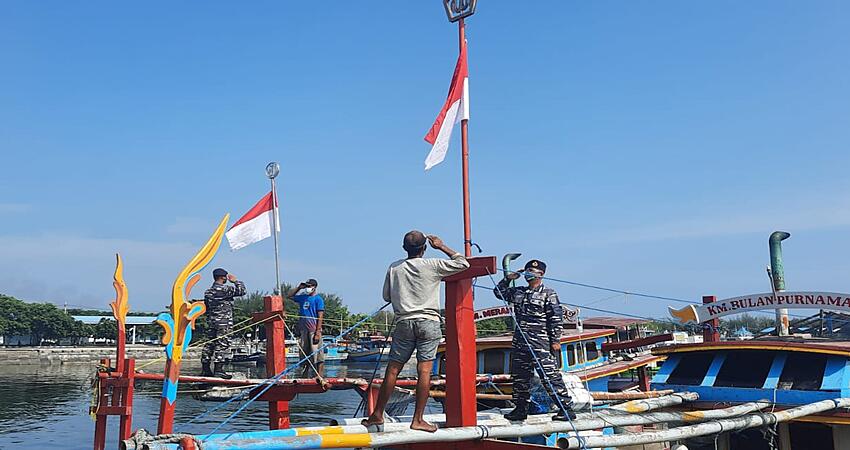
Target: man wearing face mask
{"type": "Point", "coordinates": [539, 317]}
{"type": "Point", "coordinates": [311, 308]}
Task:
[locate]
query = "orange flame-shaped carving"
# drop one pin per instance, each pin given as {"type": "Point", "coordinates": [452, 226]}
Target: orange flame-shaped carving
{"type": "Point", "coordinates": [120, 306]}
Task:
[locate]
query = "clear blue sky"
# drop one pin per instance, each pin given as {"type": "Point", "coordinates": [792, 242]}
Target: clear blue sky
{"type": "Point", "coordinates": [648, 146]}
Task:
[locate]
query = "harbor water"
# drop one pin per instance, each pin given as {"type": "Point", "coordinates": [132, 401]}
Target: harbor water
{"type": "Point", "coordinates": [46, 407]}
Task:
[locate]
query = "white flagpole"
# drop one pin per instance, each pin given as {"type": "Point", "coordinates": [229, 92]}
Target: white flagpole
{"type": "Point", "coordinates": [272, 170]}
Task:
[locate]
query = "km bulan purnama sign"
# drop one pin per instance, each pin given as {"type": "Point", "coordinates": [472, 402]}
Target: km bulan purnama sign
{"type": "Point", "coordinates": [754, 302]}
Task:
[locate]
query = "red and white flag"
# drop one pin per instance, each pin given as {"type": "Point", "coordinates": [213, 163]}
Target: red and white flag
{"type": "Point", "coordinates": [454, 110]}
{"type": "Point", "coordinates": [255, 225]}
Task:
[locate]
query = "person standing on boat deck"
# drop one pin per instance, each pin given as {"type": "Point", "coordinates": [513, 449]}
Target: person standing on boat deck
{"type": "Point", "coordinates": [412, 285]}
{"type": "Point", "coordinates": [539, 317]}
{"type": "Point", "coordinates": [311, 308]}
{"type": "Point", "coordinates": [219, 301]}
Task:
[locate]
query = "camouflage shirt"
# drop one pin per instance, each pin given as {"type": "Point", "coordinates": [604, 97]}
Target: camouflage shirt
{"type": "Point", "coordinates": [219, 301]}
{"type": "Point", "coordinates": [538, 311]}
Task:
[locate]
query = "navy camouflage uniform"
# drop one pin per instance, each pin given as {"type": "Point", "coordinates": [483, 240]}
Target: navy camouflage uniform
{"type": "Point", "coordinates": [219, 301]}
{"type": "Point", "coordinates": [540, 316]}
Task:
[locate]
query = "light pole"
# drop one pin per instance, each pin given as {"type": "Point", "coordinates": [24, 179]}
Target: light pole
{"type": "Point", "coordinates": [272, 170]}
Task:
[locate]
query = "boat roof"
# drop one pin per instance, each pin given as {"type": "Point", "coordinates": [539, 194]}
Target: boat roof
{"type": "Point", "coordinates": [566, 336]}
{"type": "Point", "coordinates": [790, 344]}
{"type": "Point", "coordinates": [611, 322]}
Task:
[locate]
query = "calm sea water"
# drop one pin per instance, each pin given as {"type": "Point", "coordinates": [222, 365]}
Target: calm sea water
{"type": "Point", "coordinates": [46, 407]}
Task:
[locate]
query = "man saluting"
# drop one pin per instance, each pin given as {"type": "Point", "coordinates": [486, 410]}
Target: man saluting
{"type": "Point", "coordinates": [539, 317]}
{"type": "Point", "coordinates": [219, 301]}
{"type": "Point", "coordinates": [311, 308]}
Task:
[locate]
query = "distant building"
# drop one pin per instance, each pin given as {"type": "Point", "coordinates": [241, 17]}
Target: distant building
{"type": "Point", "coordinates": [132, 323]}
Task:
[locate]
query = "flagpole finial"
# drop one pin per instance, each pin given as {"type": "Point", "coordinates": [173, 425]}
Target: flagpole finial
{"type": "Point", "coordinates": [272, 170]}
{"type": "Point", "coordinates": [459, 9]}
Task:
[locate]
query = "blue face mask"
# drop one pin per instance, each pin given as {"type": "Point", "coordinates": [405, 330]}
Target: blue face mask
{"type": "Point", "coordinates": [531, 275]}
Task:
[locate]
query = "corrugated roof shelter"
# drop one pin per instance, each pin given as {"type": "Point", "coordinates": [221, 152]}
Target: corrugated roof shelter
{"type": "Point", "coordinates": [131, 320]}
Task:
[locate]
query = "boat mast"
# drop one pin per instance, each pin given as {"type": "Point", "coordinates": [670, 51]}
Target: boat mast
{"type": "Point", "coordinates": [457, 11]}
{"type": "Point", "coordinates": [464, 140]}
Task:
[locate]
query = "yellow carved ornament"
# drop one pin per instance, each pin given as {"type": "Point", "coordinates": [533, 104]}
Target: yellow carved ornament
{"type": "Point", "coordinates": [120, 306]}
{"type": "Point", "coordinates": [184, 313]}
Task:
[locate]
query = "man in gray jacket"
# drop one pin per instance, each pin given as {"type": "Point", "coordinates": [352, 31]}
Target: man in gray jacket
{"type": "Point", "coordinates": [412, 285]}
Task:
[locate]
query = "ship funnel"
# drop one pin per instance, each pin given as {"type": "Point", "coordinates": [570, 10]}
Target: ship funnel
{"type": "Point", "coordinates": [775, 243]}
{"type": "Point", "coordinates": [506, 263]}
{"type": "Point", "coordinates": [777, 277]}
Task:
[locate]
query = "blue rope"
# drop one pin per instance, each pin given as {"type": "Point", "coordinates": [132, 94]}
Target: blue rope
{"type": "Point", "coordinates": [541, 372]}
{"type": "Point", "coordinates": [269, 382]}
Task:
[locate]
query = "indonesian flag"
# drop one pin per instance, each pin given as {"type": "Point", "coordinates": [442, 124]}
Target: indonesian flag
{"type": "Point", "coordinates": [255, 225]}
{"type": "Point", "coordinates": [454, 110]}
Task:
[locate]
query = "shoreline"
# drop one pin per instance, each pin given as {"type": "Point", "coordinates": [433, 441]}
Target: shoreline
{"type": "Point", "coordinates": [82, 354]}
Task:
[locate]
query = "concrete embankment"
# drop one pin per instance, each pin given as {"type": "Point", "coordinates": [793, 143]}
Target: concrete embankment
{"type": "Point", "coordinates": [82, 355]}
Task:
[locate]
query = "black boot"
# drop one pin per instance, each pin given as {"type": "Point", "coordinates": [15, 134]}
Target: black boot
{"type": "Point", "coordinates": [220, 373]}
{"type": "Point", "coordinates": [206, 369]}
{"type": "Point", "coordinates": [565, 414]}
{"type": "Point", "coordinates": [519, 413]}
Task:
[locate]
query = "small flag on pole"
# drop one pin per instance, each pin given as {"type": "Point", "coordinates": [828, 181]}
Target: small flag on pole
{"type": "Point", "coordinates": [255, 225]}
{"type": "Point", "coordinates": [454, 110]}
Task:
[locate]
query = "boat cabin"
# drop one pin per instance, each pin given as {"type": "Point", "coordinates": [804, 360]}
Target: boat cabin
{"type": "Point", "coordinates": [788, 371]}
{"type": "Point", "coordinates": [582, 353]}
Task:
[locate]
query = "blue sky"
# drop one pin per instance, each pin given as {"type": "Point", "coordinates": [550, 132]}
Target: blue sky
{"type": "Point", "coordinates": [647, 146]}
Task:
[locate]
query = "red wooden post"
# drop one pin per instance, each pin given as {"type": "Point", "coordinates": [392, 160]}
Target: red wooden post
{"type": "Point", "coordinates": [165, 424]}
{"type": "Point", "coordinates": [187, 443]}
{"type": "Point", "coordinates": [121, 349]}
{"type": "Point", "coordinates": [276, 359]}
{"type": "Point", "coordinates": [643, 379]}
{"type": "Point", "coordinates": [127, 377]}
{"type": "Point", "coordinates": [461, 361]}
{"type": "Point", "coordinates": [711, 332]}
{"type": "Point", "coordinates": [102, 403]}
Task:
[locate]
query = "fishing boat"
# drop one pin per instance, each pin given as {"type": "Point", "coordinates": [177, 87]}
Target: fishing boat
{"type": "Point", "coordinates": [807, 372]}
{"type": "Point", "coordinates": [787, 371]}
{"type": "Point", "coordinates": [368, 349]}
{"type": "Point", "coordinates": [333, 350]}
{"type": "Point", "coordinates": [582, 354]}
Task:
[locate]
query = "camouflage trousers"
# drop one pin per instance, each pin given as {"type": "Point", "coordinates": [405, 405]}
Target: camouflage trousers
{"type": "Point", "coordinates": [523, 367]}
{"type": "Point", "coordinates": [217, 347]}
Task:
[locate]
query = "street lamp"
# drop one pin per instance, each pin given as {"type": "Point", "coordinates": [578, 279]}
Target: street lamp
{"type": "Point", "coordinates": [272, 169]}
{"type": "Point", "coordinates": [458, 9]}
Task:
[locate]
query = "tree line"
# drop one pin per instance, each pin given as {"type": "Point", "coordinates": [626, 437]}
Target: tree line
{"type": "Point", "coordinates": [41, 321]}
{"type": "Point", "coordinates": [46, 322]}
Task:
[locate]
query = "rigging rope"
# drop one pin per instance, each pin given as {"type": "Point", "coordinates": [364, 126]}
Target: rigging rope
{"type": "Point", "coordinates": [636, 294]}
{"type": "Point", "coordinates": [269, 382]}
{"type": "Point", "coordinates": [200, 343]}
{"type": "Point", "coordinates": [375, 371]}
